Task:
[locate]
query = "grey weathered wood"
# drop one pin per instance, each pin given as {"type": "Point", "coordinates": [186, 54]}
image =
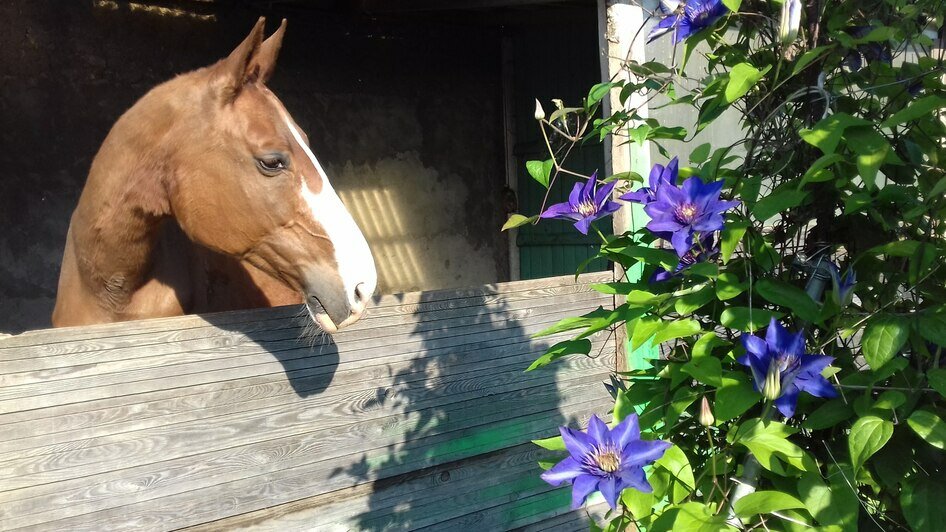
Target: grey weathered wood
{"type": "Point", "coordinates": [231, 419]}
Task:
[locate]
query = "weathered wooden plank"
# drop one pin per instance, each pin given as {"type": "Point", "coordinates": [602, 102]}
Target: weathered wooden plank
{"type": "Point", "coordinates": [33, 439]}
{"type": "Point", "coordinates": [408, 303]}
{"type": "Point", "coordinates": [167, 351]}
{"type": "Point", "coordinates": [248, 361]}
{"type": "Point", "coordinates": [574, 520]}
{"type": "Point", "coordinates": [305, 380]}
{"type": "Point", "coordinates": [126, 498]}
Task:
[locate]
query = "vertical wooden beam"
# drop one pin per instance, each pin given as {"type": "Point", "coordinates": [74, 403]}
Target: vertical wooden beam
{"type": "Point", "coordinates": [619, 21]}
{"type": "Point", "coordinates": [509, 136]}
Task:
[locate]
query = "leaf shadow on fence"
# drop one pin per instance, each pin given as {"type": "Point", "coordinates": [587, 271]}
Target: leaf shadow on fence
{"type": "Point", "coordinates": [453, 448]}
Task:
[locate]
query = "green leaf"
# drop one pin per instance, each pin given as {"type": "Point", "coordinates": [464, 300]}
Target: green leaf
{"type": "Point", "coordinates": [779, 201]}
{"type": "Point", "coordinates": [747, 319]}
{"type": "Point", "coordinates": [515, 220]}
{"type": "Point", "coordinates": [790, 297]}
{"type": "Point", "coordinates": [923, 506]}
{"type": "Point", "coordinates": [767, 440]}
{"type": "Point", "coordinates": [764, 502]}
{"type": "Point", "coordinates": [541, 171]}
{"type": "Point", "coordinates": [733, 5]}
{"type": "Point", "coordinates": [703, 269]}
{"type": "Point", "coordinates": [653, 256]}
{"type": "Point", "coordinates": [828, 415]}
{"type": "Point", "coordinates": [730, 237]}
{"type": "Point", "coordinates": [929, 427]}
{"type": "Point", "coordinates": [734, 397]}
{"type": "Point", "coordinates": [677, 464]}
{"type": "Point", "coordinates": [691, 517]}
{"type": "Point", "coordinates": [555, 443]}
{"type": "Point", "coordinates": [836, 504]}
{"type": "Point", "coordinates": [599, 91]}
{"type": "Point", "coordinates": [900, 248]}
{"type": "Point", "coordinates": [640, 133]}
{"type": "Point", "coordinates": [883, 338]}
{"type": "Point", "coordinates": [700, 153]}
{"type": "Point", "coordinates": [826, 134]}
{"type": "Point", "coordinates": [920, 108]}
{"type": "Point", "coordinates": [705, 345]}
{"type": "Point", "coordinates": [742, 78]}
{"type": "Point", "coordinates": [937, 378]}
{"type": "Point", "coordinates": [932, 326]}
{"type": "Point", "coordinates": [868, 435]}
{"type": "Point", "coordinates": [871, 149]}
{"type": "Point", "coordinates": [728, 286]}
{"type": "Point", "coordinates": [689, 303]}
{"type": "Point", "coordinates": [557, 351]}
{"type": "Point", "coordinates": [674, 329]}
{"type": "Point", "coordinates": [818, 171]}
{"type": "Point", "coordinates": [809, 56]}
{"type": "Point", "coordinates": [707, 370]}
{"type": "Point", "coordinates": [642, 330]}
{"type": "Point", "coordinates": [622, 406]}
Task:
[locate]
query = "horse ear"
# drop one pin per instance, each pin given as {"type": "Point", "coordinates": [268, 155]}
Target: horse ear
{"type": "Point", "coordinates": [236, 69]}
{"type": "Point", "coordinates": [264, 62]}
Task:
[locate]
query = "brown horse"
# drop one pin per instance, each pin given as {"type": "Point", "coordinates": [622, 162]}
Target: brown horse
{"type": "Point", "coordinates": [205, 196]}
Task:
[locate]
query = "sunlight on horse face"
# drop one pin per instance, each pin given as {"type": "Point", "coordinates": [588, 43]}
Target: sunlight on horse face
{"type": "Point", "coordinates": [262, 195]}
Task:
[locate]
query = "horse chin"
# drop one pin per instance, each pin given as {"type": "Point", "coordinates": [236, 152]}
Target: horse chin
{"type": "Point", "coordinates": [324, 321]}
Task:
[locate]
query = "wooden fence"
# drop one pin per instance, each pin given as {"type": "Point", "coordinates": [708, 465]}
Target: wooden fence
{"type": "Point", "coordinates": [417, 417]}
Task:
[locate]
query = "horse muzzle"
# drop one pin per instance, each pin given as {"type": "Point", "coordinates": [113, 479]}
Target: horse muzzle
{"type": "Point", "coordinates": [330, 304]}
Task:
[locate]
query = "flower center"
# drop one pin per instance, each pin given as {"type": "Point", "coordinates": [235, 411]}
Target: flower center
{"type": "Point", "coordinates": [586, 208]}
{"type": "Point", "coordinates": [608, 459]}
{"type": "Point", "coordinates": [686, 213]}
{"type": "Point", "coordinates": [786, 362]}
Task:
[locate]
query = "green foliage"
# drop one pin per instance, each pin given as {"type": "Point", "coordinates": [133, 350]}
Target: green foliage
{"type": "Point", "coordinates": [839, 162]}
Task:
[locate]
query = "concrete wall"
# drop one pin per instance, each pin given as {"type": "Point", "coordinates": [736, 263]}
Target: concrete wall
{"type": "Point", "coordinates": [404, 114]}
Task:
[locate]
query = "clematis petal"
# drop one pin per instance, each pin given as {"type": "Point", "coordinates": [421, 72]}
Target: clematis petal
{"type": "Point", "coordinates": [608, 488]}
{"type": "Point", "coordinates": [583, 486]}
{"type": "Point", "coordinates": [758, 366]}
{"type": "Point", "coordinates": [565, 470]}
{"type": "Point", "coordinates": [608, 208]}
{"type": "Point", "coordinates": [668, 225]}
{"type": "Point", "coordinates": [588, 191]}
{"type": "Point", "coordinates": [670, 173]}
{"type": "Point", "coordinates": [656, 174]}
{"type": "Point", "coordinates": [814, 364]}
{"type": "Point", "coordinates": [660, 275]}
{"type": "Point", "coordinates": [626, 431]}
{"type": "Point", "coordinates": [692, 188]}
{"type": "Point", "coordinates": [683, 29]}
{"type": "Point", "coordinates": [578, 443]}
{"type": "Point", "coordinates": [776, 336]}
{"type": "Point", "coordinates": [604, 193]}
{"type": "Point", "coordinates": [584, 224]}
{"type": "Point", "coordinates": [635, 478]}
{"type": "Point", "coordinates": [597, 430]}
{"type": "Point", "coordinates": [574, 197]}
{"type": "Point", "coordinates": [711, 222]}
{"type": "Point", "coordinates": [641, 452]}
{"type": "Point", "coordinates": [641, 195]}
{"type": "Point", "coordinates": [787, 402]}
{"type": "Point", "coordinates": [755, 345]}
{"type": "Point", "coordinates": [664, 26]}
{"type": "Point", "coordinates": [815, 385]}
{"type": "Point", "coordinates": [682, 241]}
{"type": "Point", "coordinates": [560, 210]}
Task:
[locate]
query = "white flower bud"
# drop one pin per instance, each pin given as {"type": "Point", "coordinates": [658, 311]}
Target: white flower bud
{"type": "Point", "coordinates": [772, 389]}
{"type": "Point", "coordinates": [539, 112]}
{"type": "Point", "coordinates": [790, 20]}
{"type": "Point", "coordinates": [706, 413]}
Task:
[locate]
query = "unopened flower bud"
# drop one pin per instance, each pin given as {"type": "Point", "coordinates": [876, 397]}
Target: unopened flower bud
{"type": "Point", "coordinates": [539, 112]}
{"type": "Point", "coordinates": [706, 413]}
{"type": "Point", "coordinates": [790, 20]}
{"type": "Point", "coordinates": [772, 389]}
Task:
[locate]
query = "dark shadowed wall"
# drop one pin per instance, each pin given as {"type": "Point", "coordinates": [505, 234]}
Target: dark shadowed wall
{"type": "Point", "coordinates": [404, 113]}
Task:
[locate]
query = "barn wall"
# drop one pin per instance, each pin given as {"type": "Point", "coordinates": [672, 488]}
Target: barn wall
{"type": "Point", "coordinates": [404, 114]}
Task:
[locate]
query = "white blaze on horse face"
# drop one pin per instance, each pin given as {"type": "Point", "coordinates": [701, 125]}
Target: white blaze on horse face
{"type": "Point", "coordinates": [355, 262]}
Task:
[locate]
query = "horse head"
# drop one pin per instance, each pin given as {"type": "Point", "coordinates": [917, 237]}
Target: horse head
{"type": "Point", "coordinates": [246, 184]}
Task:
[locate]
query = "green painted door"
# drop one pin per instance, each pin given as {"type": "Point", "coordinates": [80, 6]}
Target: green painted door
{"type": "Point", "coordinates": [560, 62]}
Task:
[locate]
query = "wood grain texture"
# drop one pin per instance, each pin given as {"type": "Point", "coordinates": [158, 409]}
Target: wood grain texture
{"type": "Point", "coordinates": [417, 417]}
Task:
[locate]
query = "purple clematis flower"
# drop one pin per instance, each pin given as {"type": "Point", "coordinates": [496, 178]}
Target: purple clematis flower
{"type": "Point", "coordinates": [843, 286]}
{"type": "Point", "coordinates": [683, 211]}
{"type": "Point", "coordinates": [706, 249]}
{"type": "Point", "coordinates": [585, 204]}
{"type": "Point", "coordinates": [688, 18]}
{"type": "Point", "coordinates": [867, 52]}
{"type": "Point", "coordinates": [659, 175]}
{"type": "Point", "coordinates": [605, 460]}
{"type": "Point", "coordinates": [781, 368]}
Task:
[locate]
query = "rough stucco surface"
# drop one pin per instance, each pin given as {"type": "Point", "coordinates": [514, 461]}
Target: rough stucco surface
{"type": "Point", "coordinates": [405, 116]}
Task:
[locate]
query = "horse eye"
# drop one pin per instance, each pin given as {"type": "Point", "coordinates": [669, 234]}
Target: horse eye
{"type": "Point", "coordinates": [271, 164]}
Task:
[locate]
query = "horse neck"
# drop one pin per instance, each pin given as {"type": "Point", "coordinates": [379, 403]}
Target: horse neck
{"type": "Point", "coordinates": [125, 200]}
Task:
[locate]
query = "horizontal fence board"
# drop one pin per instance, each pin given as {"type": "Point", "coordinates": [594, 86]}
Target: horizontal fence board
{"type": "Point", "coordinates": [234, 419]}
